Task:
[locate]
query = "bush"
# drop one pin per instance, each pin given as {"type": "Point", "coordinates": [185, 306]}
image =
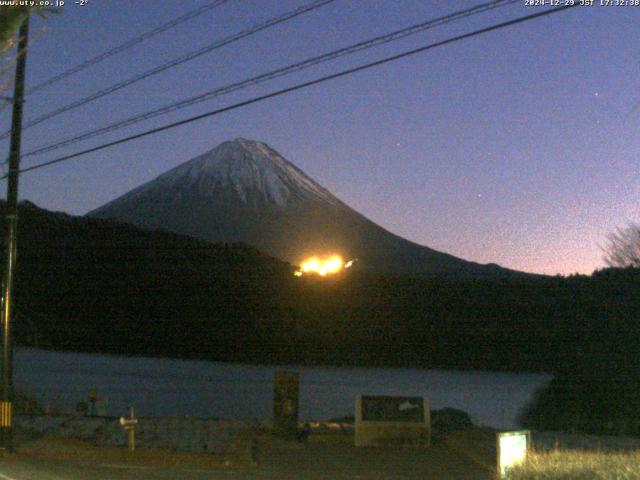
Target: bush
{"type": "Point", "coordinates": [447, 420]}
{"type": "Point", "coordinates": [25, 405]}
{"type": "Point", "coordinates": [603, 399]}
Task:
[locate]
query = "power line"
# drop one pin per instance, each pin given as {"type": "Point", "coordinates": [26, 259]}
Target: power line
{"type": "Point", "coordinates": [126, 45]}
{"type": "Point", "coordinates": [175, 62]}
{"type": "Point", "coordinates": [280, 72]}
{"type": "Point", "coordinates": [300, 86]}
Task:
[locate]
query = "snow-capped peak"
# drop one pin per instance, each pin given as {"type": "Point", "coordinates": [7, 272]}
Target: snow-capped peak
{"type": "Point", "coordinates": [251, 169]}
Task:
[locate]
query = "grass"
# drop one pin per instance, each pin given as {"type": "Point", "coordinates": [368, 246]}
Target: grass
{"type": "Point", "coordinates": [577, 465]}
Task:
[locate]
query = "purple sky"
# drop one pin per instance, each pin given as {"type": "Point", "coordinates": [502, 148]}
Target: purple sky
{"type": "Point", "coordinates": [518, 147]}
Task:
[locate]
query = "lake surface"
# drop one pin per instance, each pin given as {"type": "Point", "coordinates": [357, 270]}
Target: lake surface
{"type": "Point", "coordinates": [169, 387]}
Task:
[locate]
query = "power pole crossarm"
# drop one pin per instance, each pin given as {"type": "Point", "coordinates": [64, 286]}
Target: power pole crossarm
{"type": "Point", "coordinates": [11, 225]}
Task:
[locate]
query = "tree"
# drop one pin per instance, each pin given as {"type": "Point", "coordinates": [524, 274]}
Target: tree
{"type": "Point", "coordinates": [623, 248]}
{"type": "Point", "coordinates": [11, 18]}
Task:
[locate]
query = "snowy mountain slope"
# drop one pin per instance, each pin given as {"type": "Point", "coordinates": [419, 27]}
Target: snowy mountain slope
{"type": "Point", "coordinates": [254, 171]}
{"type": "Point", "coordinates": [245, 191]}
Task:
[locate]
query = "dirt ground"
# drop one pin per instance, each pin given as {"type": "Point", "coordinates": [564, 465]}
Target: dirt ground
{"type": "Point", "coordinates": [323, 456]}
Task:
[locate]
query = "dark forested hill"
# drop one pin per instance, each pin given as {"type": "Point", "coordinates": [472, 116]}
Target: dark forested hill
{"type": "Point", "coordinates": [91, 284]}
{"type": "Point", "coordinates": [96, 285]}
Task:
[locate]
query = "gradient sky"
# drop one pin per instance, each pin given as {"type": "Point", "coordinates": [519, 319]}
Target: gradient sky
{"type": "Point", "coordinates": [518, 147]}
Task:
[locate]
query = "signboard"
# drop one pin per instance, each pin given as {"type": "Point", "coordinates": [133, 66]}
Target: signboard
{"type": "Point", "coordinates": [512, 449]}
{"type": "Point", "coordinates": [392, 420]}
{"type": "Point", "coordinates": [285, 403]}
{"type": "Point", "coordinates": [392, 409]}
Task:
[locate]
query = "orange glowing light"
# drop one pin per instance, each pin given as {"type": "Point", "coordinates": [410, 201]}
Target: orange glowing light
{"type": "Point", "coordinates": [322, 266]}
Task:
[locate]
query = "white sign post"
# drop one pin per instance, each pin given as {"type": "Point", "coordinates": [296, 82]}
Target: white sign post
{"type": "Point", "coordinates": [512, 449]}
{"type": "Point", "coordinates": [129, 424]}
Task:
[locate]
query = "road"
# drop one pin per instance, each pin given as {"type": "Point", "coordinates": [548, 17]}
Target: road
{"type": "Point", "coordinates": [22, 468]}
{"type": "Point", "coordinates": [318, 462]}
{"type": "Point", "coordinates": [333, 456]}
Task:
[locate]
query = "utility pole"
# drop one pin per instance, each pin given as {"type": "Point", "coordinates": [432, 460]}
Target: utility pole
{"type": "Point", "coordinates": [11, 225]}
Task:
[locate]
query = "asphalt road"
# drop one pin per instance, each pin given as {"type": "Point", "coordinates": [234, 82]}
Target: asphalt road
{"type": "Point", "coordinates": [21, 468]}
{"type": "Point", "coordinates": [317, 462]}
{"type": "Point", "coordinates": [332, 456]}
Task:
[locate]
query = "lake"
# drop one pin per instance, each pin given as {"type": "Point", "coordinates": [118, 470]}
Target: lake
{"type": "Point", "coordinates": [170, 387]}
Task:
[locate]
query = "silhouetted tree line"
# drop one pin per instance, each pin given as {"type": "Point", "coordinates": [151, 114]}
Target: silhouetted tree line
{"type": "Point", "coordinates": [98, 286]}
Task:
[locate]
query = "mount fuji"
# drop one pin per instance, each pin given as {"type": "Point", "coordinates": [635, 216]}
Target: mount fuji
{"type": "Point", "coordinates": [245, 191]}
